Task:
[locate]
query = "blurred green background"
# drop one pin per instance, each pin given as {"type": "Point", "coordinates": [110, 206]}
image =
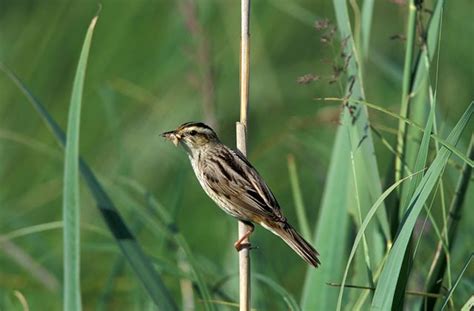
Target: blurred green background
{"type": "Point", "coordinates": [156, 64]}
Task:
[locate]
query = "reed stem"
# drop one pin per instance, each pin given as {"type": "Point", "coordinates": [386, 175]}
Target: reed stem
{"type": "Point", "coordinates": [241, 133]}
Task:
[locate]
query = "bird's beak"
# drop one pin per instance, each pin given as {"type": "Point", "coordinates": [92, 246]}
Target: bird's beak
{"type": "Point", "coordinates": [172, 136]}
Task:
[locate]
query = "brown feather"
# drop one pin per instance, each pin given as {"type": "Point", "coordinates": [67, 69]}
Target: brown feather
{"type": "Point", "coordinates": [291, 237]}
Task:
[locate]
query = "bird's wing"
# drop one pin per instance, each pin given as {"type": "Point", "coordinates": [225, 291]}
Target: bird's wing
{"type": "Point", "coordinates": [242, 185]}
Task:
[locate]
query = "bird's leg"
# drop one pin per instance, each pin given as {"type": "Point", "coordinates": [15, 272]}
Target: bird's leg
{"type": "Point", "coordinates": [238, 244]}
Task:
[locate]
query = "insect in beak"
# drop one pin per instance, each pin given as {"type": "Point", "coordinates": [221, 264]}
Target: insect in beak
{"type": "Point", "coordinates": [172, 136]}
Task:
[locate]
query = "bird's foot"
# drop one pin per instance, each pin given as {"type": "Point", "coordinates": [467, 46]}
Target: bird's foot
{"type": "Point", "coordinates": [242, 246]}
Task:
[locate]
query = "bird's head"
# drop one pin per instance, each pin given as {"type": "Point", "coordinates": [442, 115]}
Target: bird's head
{"type": "Point", "coordinates": [192, 135]}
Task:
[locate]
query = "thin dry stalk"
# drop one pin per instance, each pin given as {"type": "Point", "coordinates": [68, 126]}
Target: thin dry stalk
{"type": "Point", "coordinates": [187, 292]}
{"type": "Point", "coordinates": [241, 129]}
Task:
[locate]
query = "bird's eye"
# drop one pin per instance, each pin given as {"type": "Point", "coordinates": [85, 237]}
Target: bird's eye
{"type": "Point", "coordinates": [193, 132]}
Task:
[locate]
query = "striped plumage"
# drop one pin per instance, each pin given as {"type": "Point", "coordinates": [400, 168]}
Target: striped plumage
{"type": "Point", "coordinates": [232, 182]}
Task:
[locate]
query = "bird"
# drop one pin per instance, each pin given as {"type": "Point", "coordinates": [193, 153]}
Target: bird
{"type": "Point", "coordinates": [236, 187]}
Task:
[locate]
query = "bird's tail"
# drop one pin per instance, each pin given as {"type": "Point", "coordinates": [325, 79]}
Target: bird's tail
{"type": "Point", "coordinates": [297, 243]}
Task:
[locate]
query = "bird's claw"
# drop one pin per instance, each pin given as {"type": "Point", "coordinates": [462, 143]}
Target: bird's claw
{"type": "Point", "coordinates": [242, 246]}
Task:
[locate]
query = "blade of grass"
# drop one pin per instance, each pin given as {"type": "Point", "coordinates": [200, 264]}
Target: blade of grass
{"type": "Point", "coordinates": [419, 113]}
{"type": "Point", "coordinates": [407, 76]}
{"type": "Point", "coordinates": [366, 255]}
{"type": "Point", "coordinates": [444, 239]}
{"type": "Point", "coordinates": [338, 193]}
{"type": "Point", "coordinates": [129, 246]}
{"type": "Point", "coordinates": [428, 52]}
{"type": "Point", "coordinates": [298, 198]}
{"type": "Point", "coordinates": [438, 266]}
{"type": "Point", "coordinates": [367, 13]}
{"type": "Point", "coordinates": [407, 192]}
{"type": "Point", "coordinates": [330, 243]}
{"type": "Point", "coordinates": [32, 267]}
{"type": "Point", "coordinates": [421, 92]}
{"type": "Point", "coordinates": [361, 302]}
{"type": "Point", "coordinates": [21, 298]}
{"type": "Point", "coordinates": [451, 290]}
{"type": "Point", "coordinates": [356, 124]}
{"type": "Point", "coordinates": [45, 227]}
{"type": "Point", "coordinates": [356, 32]}
{"type": "Point", "coordinates": [415, 153]}
{"type": "Point", "coordinates": [355, 121]}
{"type": "Point", "coordinates": [360, 234]}
{"type": "Point", "coordinates": [31, 229]}
{"type": "Point", "coordinates": [415, 89]}
{"type": "Point", "coordinates": [385, 290]}
{"type": "Point", "coordinates": [71, 203]}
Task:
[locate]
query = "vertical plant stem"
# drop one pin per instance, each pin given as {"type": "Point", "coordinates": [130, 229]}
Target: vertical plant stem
{"type": "Point", "coordinates": [366, 19]}
{"type": "Point", "coordinates": [370, 276]}
{"type": "Point", "coordinates": [401, 137]}
{"type": "Point", "coordinates": [241, 131]}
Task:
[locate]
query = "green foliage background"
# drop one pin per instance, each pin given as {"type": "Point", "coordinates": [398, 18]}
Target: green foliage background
{"type": "Point", "coordinates": [156, 64]}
